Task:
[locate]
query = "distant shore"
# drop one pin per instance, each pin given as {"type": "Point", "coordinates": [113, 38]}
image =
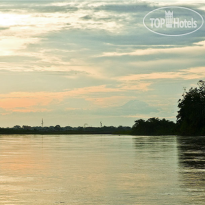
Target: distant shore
{"type": "Point", "coordinates": [5, 131]}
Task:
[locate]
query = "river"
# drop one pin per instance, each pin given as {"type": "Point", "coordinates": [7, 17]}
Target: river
{"type": "Point", "coordinates": [101, 170]}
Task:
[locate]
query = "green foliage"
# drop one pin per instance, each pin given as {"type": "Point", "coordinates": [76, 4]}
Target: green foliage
{"type": "Point", "coordinates": [191, 114]}
{"type": "Point", "coordinates": [190, 118]}
{"type": "Point", "coordinates": [153, 126]}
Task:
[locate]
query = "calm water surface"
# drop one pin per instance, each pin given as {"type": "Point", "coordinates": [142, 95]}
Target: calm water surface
{"type": "Point", "coordinates": [101, 170]}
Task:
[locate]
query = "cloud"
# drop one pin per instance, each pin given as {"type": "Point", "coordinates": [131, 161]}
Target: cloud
{"type": "Point", "coordinates": [192, 73]}
{"type": "Point", "coordinates": [11, 45]}
{"type": "Point", "coordinates": [131, 107]}
{"type": "Point", "coordinates": [22, 101]}
{"type": "Point", "coordinates": [197, 48]}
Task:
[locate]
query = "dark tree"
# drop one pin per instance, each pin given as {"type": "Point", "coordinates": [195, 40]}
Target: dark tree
{"type": "Point", "coordinates": [191, 114]}
{"type": "Point", "coordinates": [153, 126]}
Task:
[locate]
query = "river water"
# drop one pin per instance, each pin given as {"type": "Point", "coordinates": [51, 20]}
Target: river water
{"type": "Point", "coordinates": [101, 170]}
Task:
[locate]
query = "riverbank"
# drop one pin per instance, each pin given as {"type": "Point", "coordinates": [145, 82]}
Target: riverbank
{"type": "Point", "coordinates": [6, 131]}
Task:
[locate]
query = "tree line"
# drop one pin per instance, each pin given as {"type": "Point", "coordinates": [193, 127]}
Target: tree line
{"type": "Point", "coordinates": [190, 120]}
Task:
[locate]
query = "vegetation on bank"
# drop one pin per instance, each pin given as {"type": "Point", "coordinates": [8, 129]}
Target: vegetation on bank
{"type": "Point", "coordinates": [191, 114]}
{"type": "Point", "coordinates": [153, 126]}
{"type": "Point", "coordinates": [190, 118]}
{"type": "Point", "coordinates": [66, 130]}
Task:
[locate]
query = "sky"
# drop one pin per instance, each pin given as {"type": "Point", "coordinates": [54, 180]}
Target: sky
{"type": "Point", "coordinates": [85, 62]}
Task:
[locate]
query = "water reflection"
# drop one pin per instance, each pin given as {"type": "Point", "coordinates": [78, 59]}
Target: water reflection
{"type": "Point", "coordinates": [157, 159]}
{"type": "Point", "coordinates": [191, 151]}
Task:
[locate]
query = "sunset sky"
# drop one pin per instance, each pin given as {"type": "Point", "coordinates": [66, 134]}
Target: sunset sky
{"type": "Point", "coordinates": [76, 62]}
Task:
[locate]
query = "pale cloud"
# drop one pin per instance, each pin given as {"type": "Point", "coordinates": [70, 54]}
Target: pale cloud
{"type": "Point", "coordinates": [11, 45]}
{"type": "Point", "coordinates": [24, 101]}
{"type": "Point", "coordinates": [196, 48]}
{"type": "Point", "coordinates": [42, 23]}
{"type": "Point", "coordinates": [202, 8]}
{"type": "Point", "coordinates": [188, 74]}
{"type": "Point", "coordinates": [25, 27]}
{"type": "Point", "coordinates": [61, 4]}
{"type": "Point", "coordinates": [112, 101]}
